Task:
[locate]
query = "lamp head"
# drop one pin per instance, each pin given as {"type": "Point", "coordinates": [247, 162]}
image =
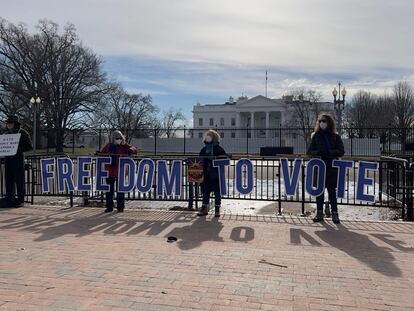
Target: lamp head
{"type": "Point", "coordinates": [334, 92]}
{"type": "Point", "coordinates": [343, 93]}
{"type": "Point", "coordinates": [32, 100]}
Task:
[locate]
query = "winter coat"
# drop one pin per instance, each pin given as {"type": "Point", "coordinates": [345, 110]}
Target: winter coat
{"type": "Point", "coordinates": [211, 175]}
{"type": "Point", "coordinates": [115, 151]}
{"type": "Point", "coordinates": [25, 143]}
{"type": "Point", "coordinates": [328, 146]}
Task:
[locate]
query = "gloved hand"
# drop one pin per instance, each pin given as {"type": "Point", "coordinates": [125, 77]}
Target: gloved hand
{"type": "Point", "coordinates": [129, 152]}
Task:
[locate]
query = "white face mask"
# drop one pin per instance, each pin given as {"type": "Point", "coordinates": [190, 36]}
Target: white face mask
{"type": "Point", "coordinates": [118, 141]}
{"type": "Point", "coordinates": [208, 139]}
{"type": "Point", "coordinates": [323, 125]}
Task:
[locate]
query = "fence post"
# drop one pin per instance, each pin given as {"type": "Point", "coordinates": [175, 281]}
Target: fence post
{"type": "Point", "coordinates": [33, 167]}
{"type": "Point", "coordinates": [99, 140]}
{"type": "Point", "coordinates": [73, 141]}
{"type": "Point", "coordinates": [48, 140]}
{"type": "Point", "coordinates": [190, 195]}
{"type": "Point", "coordinates": [352, 145]}
{"type": "Point", "coordinates": [247, 140]}
{"type": "Point", "coordinates": [280, 135]}
{"type": "Point", "coordinates": [184, 139]}
{"type": "Point", "coordinates": [303, 190]}
{"type": "Point", "coordinates": [389, 140]}
{"type": "Point", "coordinates": [155, 141]}
{"type": "Point", "coordinates": [279, 199]}
{"type": "Point", "coordinates": [409, 201]}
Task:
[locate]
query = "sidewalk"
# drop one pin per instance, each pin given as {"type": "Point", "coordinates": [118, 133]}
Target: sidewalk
{"type": "Point", "coordinates": [81, 259]}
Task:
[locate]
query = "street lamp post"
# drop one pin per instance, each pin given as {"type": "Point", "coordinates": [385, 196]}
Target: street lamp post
{"type": "Point", "coordinates": [35, 101]}
{"type": "Point", "coordinates": [339, 104]}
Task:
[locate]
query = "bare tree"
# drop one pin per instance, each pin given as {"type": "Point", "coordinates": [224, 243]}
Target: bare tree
{"type": "Point", "coordinates": [133, 114]}
{"type": "Point", "coordinates": [384, 117]}
{"type": "Point", "coordinates": [403, 106]}
{"type": "Point", "coordinates": [360, 114]}
{"type": "Point", "coordinates": [57, 67]}
{"type": "Point", "coordinates": [306, 107]}
{"type": "Point", "coordinates": [170, 121]}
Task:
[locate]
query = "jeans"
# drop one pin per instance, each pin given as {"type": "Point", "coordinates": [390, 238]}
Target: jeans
{"type": "Point", "coordinates": [206, 189]}
{"type": "Point", "coordinates": [109, 196]}
{"type": "Point", "coordinates": [332, 200]}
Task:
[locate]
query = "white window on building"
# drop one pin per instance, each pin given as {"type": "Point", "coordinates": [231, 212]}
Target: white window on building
{"type": "Point", "coordinates": [233, 121]}
{"type": "Point", "coordinates": [233, 135]}
{"type": "Point", "coordinates": [211, 121]}
{"type": "Point", "coordinates": [200, 121]}
{"type": "Point", "coordinates": [200, 135]}
{"type": "Point", "coordinates": [221, 121]}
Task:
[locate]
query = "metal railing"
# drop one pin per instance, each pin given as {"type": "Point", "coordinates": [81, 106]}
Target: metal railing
{"type": "Point", "coordinates": [393, 184]}
{"type": "Point", "coordinates": [372, 142]}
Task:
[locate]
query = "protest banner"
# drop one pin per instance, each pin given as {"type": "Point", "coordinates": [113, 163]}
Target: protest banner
{"type": "Point", "coordinates": [167, 177]}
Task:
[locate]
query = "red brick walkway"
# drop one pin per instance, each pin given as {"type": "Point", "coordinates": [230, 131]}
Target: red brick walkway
{"type": "Point", "coordinates": [82, 259]}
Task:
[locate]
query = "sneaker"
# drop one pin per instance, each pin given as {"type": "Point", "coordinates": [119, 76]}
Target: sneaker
{"type": "Point", "coordinates": [217, 211]}
{"type": "Point", "coordinates": [335, 218]}
{"type": "Point", "coordinates": [318, 217]}
{"type": "Point", "coordinates": [203, 211]}
{"type": "Point", "coordinates": [109, 209]}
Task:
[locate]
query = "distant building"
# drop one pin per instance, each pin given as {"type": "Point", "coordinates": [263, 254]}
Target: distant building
{"type": "Point", "coordinates": [259, 112]}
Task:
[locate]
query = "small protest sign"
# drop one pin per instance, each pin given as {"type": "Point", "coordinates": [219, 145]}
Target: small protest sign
{"type": "Point", "coordinates": [9, 144]}
{"type": "Point", "coordinates": [195, 170]}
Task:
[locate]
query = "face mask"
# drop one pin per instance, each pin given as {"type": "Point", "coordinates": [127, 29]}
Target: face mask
{"type": "Point", "coordinates": [208, 139]}
{"type": "Point", "coordinates": [323, 125]}
{"type": "Point", "coordinates": [118, 141]}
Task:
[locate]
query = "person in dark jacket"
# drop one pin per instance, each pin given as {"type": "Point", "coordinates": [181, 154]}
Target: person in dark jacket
{"type": "Point", "coordinates": [14, 165]}
{"type": "Point", "coordinates": [328, 145]}
{"type": "Point", "coordinates": [212, 150]}
{"type": "Point", "coordinates": [115, 148]}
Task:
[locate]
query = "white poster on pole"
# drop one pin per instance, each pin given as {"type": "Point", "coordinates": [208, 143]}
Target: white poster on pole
{"type": "Point", "coordinates": [9, 144]}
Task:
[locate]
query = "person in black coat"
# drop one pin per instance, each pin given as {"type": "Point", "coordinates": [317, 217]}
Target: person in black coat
{"type": "Point", "coordinates": [212, 150]}
{"type": "Point", "coordinates": [328, 145]}
{"type": "Point", "coordinates": [14, 165]}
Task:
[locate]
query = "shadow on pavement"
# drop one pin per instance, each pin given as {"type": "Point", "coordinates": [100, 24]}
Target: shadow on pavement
{"type": "Point", "coordinates": [360, 247]}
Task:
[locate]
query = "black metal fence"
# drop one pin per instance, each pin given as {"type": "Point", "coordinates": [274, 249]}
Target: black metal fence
{"type": "Point", "coordinates": [393, 185]}
{"type": "Point", "coordinates": [371, 142]}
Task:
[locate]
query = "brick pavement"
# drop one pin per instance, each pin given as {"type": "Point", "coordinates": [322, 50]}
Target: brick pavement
{"type": "Point", "coordinates": [81, 259]}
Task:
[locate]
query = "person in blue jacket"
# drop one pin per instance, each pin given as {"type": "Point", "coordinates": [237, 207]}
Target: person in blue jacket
{"type": "Point", "coordinates": [327, 144]}
{"type": "Point", "coordinates": [211, 150]}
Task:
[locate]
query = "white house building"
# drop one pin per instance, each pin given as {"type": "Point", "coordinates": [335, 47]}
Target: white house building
{"type": "Point", "coordinates": [264, 114]}
{"type": "Point", "coordinates": [250, 125]}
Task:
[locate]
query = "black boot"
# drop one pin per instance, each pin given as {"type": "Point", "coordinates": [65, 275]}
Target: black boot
{"type": "Point", "coordinates": [318, 217]}
{"type": "Point", "coordinates": [335, 218]}
{"type": "Point", "coordinates": [327, 211]}
{"type": "Point", "coordinates": [109, 209]}
{"type": "Point", "coordinates": [203, 211]}
{"type": "Point", "coordinates": [217, 211]}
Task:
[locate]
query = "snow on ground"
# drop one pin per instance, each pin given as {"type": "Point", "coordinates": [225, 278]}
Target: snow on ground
{"type": "Point", "coordinates": [247, 207]}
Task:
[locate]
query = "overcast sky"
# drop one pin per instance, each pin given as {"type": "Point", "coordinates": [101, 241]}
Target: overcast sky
{"type": "Point", "coordinates": [186, 51]}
